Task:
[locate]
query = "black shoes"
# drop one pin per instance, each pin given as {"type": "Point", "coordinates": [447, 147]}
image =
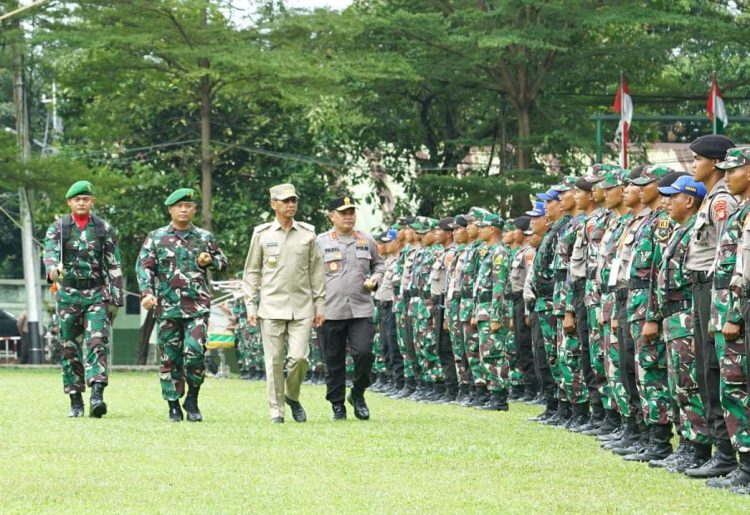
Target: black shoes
{"type": "Point", "coordinates": [191, 405]}
{"type": "Point", "coordinates": [97, 406]}
{"type": "Point", "coordinates": [298, 412]}
{"type": "Point", "coordinates": [76, 405]}
{"type": "Point", "coordinates": [339, 411]}
{"type": "Point", "coordinates": [277, 420]}
{"type": "Point", "coordinates": [722, 463]}
{"type": "Point", "coordinates": [361, 411]}
{"type": "Point", "coordinates": [175, 412]}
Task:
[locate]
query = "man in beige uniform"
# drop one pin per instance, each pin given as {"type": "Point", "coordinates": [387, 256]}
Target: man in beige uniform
{"type": "Point", "coordinates": [285, 288]}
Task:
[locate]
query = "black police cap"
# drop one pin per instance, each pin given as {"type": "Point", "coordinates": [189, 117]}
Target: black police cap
{"type": "Point", "coordinates": [583, 184]}
{"type": "Point", "coordinates": [447, 224]}
{"type": "Point", "coordinates": [636, 171]}
{"type": "Point", "coordinates": [461, 221]}
{"type": "Point", "coordinates": [341, 203]}
{"type": "Point", "coordinates": [522, 222]}
{"type": "Point", "coordinates": [713, 146]}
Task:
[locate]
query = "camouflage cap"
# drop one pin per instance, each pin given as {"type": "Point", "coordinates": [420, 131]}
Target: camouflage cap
{"type": "Point", "coordinates": [80, 188]}
{"type": "Point", "coordinates": [651, 174]}
{"type": "Point", "coordinates": [180, 195]}
{"type": "Point", "coordinates": [612, 179]}
{"type": "Point", "coordinates": [735, 158]}
{"type": "Point", "coordinates": [475, 214]}
{"type": "Point", "coordinates": [509, 226]}
{"type": "Point", "coordinates": [490, 220]}
{"type": "Point", "coordinates": [568, 183]}
{"type": "Point", "coordinates": [597, 172]}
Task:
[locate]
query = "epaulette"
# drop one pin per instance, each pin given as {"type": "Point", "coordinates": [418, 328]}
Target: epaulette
{"type": "Point", "coordinates": [307, 226]}
{"type": "Point", "coordinates": [262, 227]}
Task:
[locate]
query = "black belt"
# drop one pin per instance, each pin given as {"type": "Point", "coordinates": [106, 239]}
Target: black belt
{"type": "Point", "coordinates": [621, 294]}
{"type": "Point", "coordinates": [635, 284]}
{"type": "Point", "coordinates": [485, 296]}
{"type": "Point", "coordinates": [675, 306]}
{"type": "Point", "coordinates": [699, 276]}
{"type": "Point", "coordinates": [561, 275]}
{"type": "Point", "coordinates": [468, 295]}
{"type": "Point", "coordinates": [425, 294]}
{"type": "Point", "coordinates": [515, 296]}
{"type": "Point", "coordinates": [609, 289]}
{"type": "Point", "coordinates": [579, 284]}
{"type": "Point", "coordinates": [83, 284]}
{"type": "Point", "coordinates": [722, 283]}
{"type": "Point", "coordinates": [386, 304]}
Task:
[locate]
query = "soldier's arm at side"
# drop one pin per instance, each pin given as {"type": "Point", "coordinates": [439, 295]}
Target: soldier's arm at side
{"type": "Point", "coordinates": [52, 249]}
{"type": "Point", "coordinates": [251, 277]}
{"type": "Point", "coordinates": [218, 260]}
{"type": "Point", "coordinates": [145, 267]}
{"type": "Point", "coordinates": [113, 262]}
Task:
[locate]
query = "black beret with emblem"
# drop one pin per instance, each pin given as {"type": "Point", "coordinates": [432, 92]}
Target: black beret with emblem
{"type": "Point", "coordinates": [713, 146]}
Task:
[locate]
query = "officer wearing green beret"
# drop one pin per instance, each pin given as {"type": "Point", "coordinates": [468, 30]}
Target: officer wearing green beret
{"type": "Point", "coordinates": [172, 270]}
{"type": "Point", "coordinates": [81, 255]}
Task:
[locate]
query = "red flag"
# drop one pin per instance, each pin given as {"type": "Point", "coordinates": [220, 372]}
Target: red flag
{"type": "Point", "coordinates": [624, 106]}
{"type": "Point", "coordinates": [717, 112]}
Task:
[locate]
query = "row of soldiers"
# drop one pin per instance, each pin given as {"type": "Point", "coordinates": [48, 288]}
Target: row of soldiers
{"type": "Point", "coordinates": [621, 298]}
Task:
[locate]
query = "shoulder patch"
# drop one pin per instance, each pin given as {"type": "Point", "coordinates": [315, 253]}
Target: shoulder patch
{"type": "Point", "coordinates": [307, 226]}
{"type": "Point", "coordinates": [720, 210]}
{"type": "Point", "coordinates": [262, 227]}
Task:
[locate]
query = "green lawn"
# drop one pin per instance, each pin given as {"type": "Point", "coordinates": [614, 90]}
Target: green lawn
{"type": "Point", "coordinates": [409, 458]}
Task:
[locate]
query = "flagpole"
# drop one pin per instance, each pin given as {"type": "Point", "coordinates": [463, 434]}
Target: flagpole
{"type": "Point", "coordinates": [623, 140]}
{"type": "Point", "coordinates": [713, 96]}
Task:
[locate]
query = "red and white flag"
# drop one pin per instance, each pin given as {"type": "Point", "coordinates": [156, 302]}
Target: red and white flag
{"type": "Point", "coordinates": [717, 112]}
{"type": "Point", "coordinates": [624, 106]}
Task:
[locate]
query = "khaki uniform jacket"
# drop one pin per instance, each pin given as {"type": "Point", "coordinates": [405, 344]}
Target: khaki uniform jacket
{"type": "Point", "coordinates": [284, 277]}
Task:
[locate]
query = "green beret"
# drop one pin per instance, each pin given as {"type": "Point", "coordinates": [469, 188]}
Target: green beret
{"type": "Point", "coordinates": [80, 188]}
{"type": "Point", "coordinates": [179, 195]}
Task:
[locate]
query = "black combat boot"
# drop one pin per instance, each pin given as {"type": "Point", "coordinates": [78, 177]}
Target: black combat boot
{"type": "Point", "coordinates": [610, 423]}
{"type": "Point", "coordinates": [409, 388]}
{"type": "Point", "coordinates": [659, 446]}
{"type": "Point", "coordinates": [629, 436]}
{"type": "Point", "coordinates": [516, 392]}
{"type": "Point", "coordinates": [561, 417]}
{"type": "Point", "coordinates": [76, 405]}
{"type": "Point", "coordinates": [175, 412]}
{"type": "Point", "coordinates": [464, 393]}
{"type": "Point", "coordinates": [422, 391]}
{"type": "Point", "coordinates": [469, 398]}
{"type": "Point", "coordinates": [548, 412]}
{"type": "Point", "coordinates": [529, 393]}
{"type": "Point", "coordinates": [498, 401]}
{"type": "Point", "coordinates": [438, 392]}
{"type": "Point", "coordinates": [451, 393]}
{"type": "Point", "coordinates": [683, 449]}
{"type": "Point", "coordinates": [481, 397]}
{"type": "Point", "coordinates": [581, 417]}
{"type": "Point", "coordinates": [191, 404]}
{"type": "Point", "coordinates": [739, 477]}
{"type": "Point", "coordinates": [700, 454]}
{"type": "Point", "coordinates": [722, 463]}
{"type": "Point", "coordinates": [97, 406]}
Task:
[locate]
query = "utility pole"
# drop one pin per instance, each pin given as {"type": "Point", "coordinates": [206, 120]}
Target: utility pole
{"type": "Point", "coordinates": [30, 261]}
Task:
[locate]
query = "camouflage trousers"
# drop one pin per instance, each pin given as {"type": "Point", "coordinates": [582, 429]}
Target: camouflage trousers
{"type": "Point", "coordinates": [598, 358]}
{"type": "Point", "coordinates": [425, 333]}
{"type": "Point", "coordinates": [405, 338]}
{"type": "Point", "coordinates": [548, 323]}
{"type": "Point", "coordinates": [84, 331]}
{"type": "Point", "coordinates": [683, 386]}
{"type": "Point", "coordinates": [378, 366]}
{"type": "Point", "coordinates": [182, 344]}
{"type": "Point", "coordinates": [471, 348]}
{"type": "Point", "coordinates": [316, 363]}
{"type": "Point", "coordinates": [733, 389]}
{"type": "Point", "coordinates": [493, 356]}
{"type": "Point", "coordinates": [651, 376]}
{"type": "Point", "coordinates": [570, 367]}
{"type": "Point", "coordinates": [612, 370]}
{"type": "Point", "coordinates": [248, 357]}
{"type": "Point", "coordinates": [455, 328]}
{"type": "Point", "coordinates": [516, 375]}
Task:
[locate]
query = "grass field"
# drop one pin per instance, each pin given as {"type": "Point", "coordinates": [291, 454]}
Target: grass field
{"type": "Point", "coordinates": [409, 458]}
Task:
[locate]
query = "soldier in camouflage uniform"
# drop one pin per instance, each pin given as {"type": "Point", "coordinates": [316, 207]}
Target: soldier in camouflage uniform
{"type": "Point", "coordinates": [490, 316]}
{"type": "Point", "coordinates": [172, 270]}
{"type": "Point", "coordinates": [55, 340]}
{"type": "Point", "coordinates": [572, 387]}
{"type": "Point", "coordinates": [242, 336]}
{"type": "Point", "coordinates": [81, 255]}
{"type": "Point", "coordinates": [549, 272]}
{"type": "Point", "coordinates": [512, 249]}
{"type": "Point", "coordinates": [612, 184]}
{"type": "Point", "coordinates": [468, 270]}
{"type": "Point", "coordinates": [727, 319]}
{"type": "Point", "coordinates": [650, 348]}
{"type": "Point", "coordinates": [674, 312]}
{"type": "Point", "coordinates": [453, 305]}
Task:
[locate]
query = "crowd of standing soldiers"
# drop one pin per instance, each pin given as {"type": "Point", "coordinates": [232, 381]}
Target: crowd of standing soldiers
{"type": "Point", "coordinates": [618, 302]}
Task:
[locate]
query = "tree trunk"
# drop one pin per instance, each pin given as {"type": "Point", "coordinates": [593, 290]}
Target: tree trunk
{"type": "Point", "coordinates": [523, 156]}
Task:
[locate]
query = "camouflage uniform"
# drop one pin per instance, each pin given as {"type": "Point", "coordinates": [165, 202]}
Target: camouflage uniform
{"type": "Point", "coordinates": [247, 338]}
{"type": "Point", "coordinates": [453, 302]}
{"type": "Point", "coordinates": [167, 268]}
{"type": "Point", "coordinates": [55, 340]}
{"type": "Point", "coordinates": [400, 298]}
{"type": "Point", "coordinates": [425, 330]}
{"type": "Point", "coordinates": [90, 259]}
{"type": "Point", "coordinates": [650, 356]}
{"type": "Point", "coordinates": [473, 259]}
{"type": "Point", "coordinates": [727, 307]}
{"type": "Point", "coordinates": [674, 309]}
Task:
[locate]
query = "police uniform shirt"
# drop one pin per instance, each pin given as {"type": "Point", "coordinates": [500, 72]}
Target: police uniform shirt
{"type": "Point", "coordinates": [712, 216]}
{"type": "Point", "coordinates": [626, 246]}
{"type": "Point", "coordinates": [439, 273]}
{"type": "Point", "coordinates": [284, 273]}
{"type": "Point", "coordinates": [579, 255]}
{"type": "Point", "coordinates": [384, 292]}
{"type": "Point", "coordinates": [348, 262]}
{"type": "Point", "coordinates": [519, 268]}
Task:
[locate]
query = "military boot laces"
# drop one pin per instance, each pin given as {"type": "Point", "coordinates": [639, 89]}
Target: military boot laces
{"type": "Point", "coordinates": [191, 405]}
{"type": "Point", "coordinates": [175, 412]}
{"type": "Point", "coordinates": [76, 405]}
{"type": "Point", "coordinates": [97, 406]}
